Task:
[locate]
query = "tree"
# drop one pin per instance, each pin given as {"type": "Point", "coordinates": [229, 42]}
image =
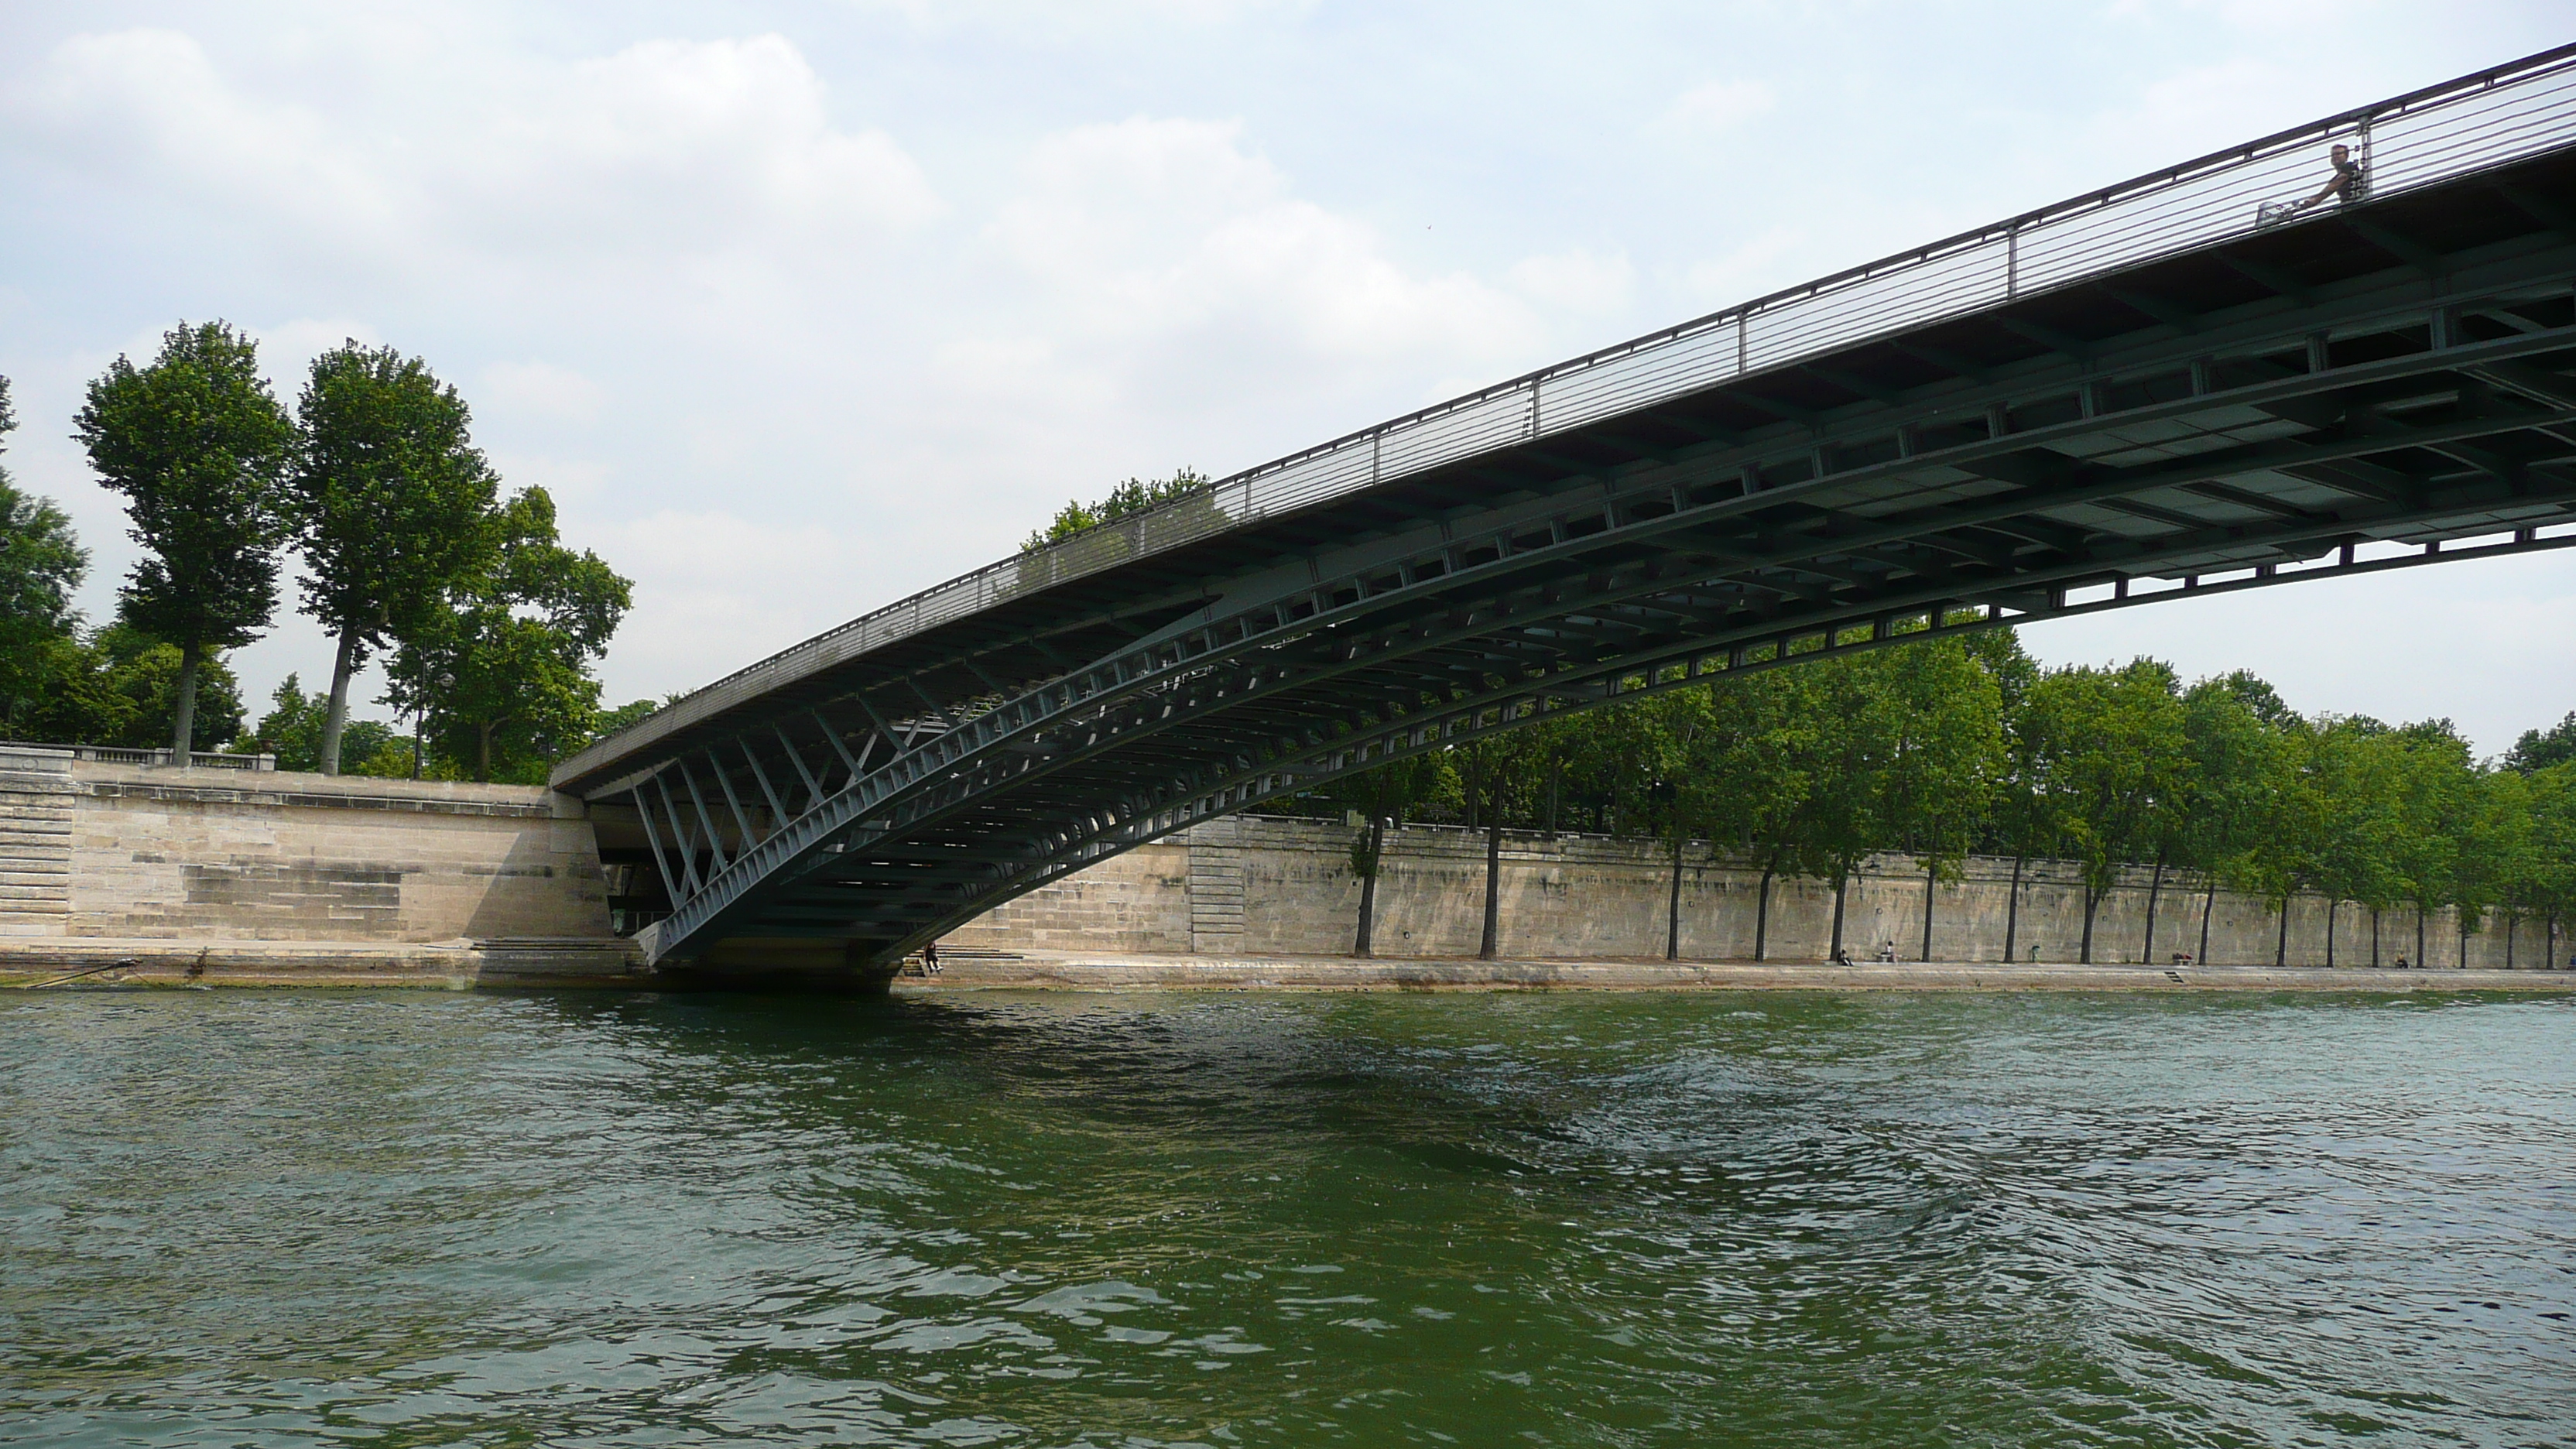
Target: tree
{"type": "Point", "coordinates": [2343, 817]}
{"type": "Point", "coordinates": [1381, 796]}
{"type": "Point", "coordinates": [41, 563]}
{"type": "Point", "coordinates": [501, 665]}
{"type": "Point", "coordinates": [1494, 770]}
{"type": "Point", "coordinates": [292, 730]}
{"type": "Point", "coordinates": [1758, 774]}
{"type": "Point", "coordinates": [1136, 495]}
{"type": "Point", "coordinates": [627, 716]}
{"type": "Point", "coordinates": [391, 505]}
{"type": "Point", "coordinates": [2112, 765]}
{"type": "Point", "coordinates": [143, 679]}
{"type": "Point", "coordinates": [1948, 758]}
{"type": "Point", "coordinates": [2538, 750]}
{"type": "Point", "coordinates": [2434, 817]}
{"type": "Point", "coordinates": [1909, 744]}
{"type": "Point", "coordinates": [199, 447]}
{"type": "Point", "coordinates": [2235, 778]}
{"type": "Point", "coordinates": [2546, 887]}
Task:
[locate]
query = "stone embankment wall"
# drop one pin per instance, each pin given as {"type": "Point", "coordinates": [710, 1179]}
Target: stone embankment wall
{"type": "Point", "coordinates": [1256, 885]}
{"type": "Point", "coordinates": [89, 849]}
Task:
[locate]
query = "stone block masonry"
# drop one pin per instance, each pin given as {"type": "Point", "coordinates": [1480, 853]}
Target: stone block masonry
{"type": "Point", "coordinates": [239, 875]}
{"type": "Point", "coordinates": [90, 849]}
{"type": "Point", "coordinates": [1258, 885]}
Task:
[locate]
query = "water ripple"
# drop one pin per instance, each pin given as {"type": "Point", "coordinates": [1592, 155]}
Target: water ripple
{"type": "Point", "coordinates": [292, 1218]}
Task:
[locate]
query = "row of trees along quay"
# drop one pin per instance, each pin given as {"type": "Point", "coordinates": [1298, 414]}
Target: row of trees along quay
{"type": "Point", "coordinates": [1948, 746]}
{"type": "Point", "coordinates": [1963, 744]}
{"type": "Point", "coordinates": [405, 550]}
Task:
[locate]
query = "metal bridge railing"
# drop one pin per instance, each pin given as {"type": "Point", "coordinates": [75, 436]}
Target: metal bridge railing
{"type": "Point", "coordinates": [2431, 135]}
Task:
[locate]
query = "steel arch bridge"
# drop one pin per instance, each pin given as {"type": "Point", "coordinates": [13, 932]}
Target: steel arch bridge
{"type": "Point", "coordinates": [2150, 392]}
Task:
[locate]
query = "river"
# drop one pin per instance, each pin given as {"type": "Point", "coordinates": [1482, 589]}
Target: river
{"type": "Point", "coordinates": [294, 1218]}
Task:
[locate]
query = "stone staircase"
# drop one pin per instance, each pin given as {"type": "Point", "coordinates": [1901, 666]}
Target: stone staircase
{"type": "Point", "coordinates": [1216, 889]}
{"type": "Point", "coordinates": [36, 795]}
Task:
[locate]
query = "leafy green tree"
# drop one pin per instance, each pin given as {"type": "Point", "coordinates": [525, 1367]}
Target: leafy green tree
{"type": "Point", "coordinates": [128, 694]}
{"type": "Point", "coordinates": [2546, 883]}
{"type": "Point", "coordinates": [1666, 752]}
{"type": "Point", "coordinates": [2508, 849]}
{"type": "Point", "coordinates": [2112, 764]}
{"type": "Point", "coordinates": [1497, 771]}
{"type": "Point", "coordinates": [199, 447]}
{"type": "Point", "coordinates": [1949, 757]}
{"type": "Point", "coordinates": [627, 716]}
{"type": "Point", "coordinates": [1903, 748]}
{"type": "Point", "coordinates": [391, 504]}
{"type": "Point", "coordinates": [41, 563]}
{"type": "Point", "coordinates": [2238, 773]}
{"type": "Point", "coordinates": [2436, 818]}
{"type": "Point", "coordinates": [1381, 797]}
{"type": "Point", "coordinates": [1136, 495]}
{"type": "Point", "coordinates": [1766, 739]}
{"type": "Point", "coordinates": [2344, 817]}
{"type": "Point", "coordinates": [501, 666]}
{"type": "Point", "coordinates": [2540, 749]}
{"type": "Point", "coordinates": [292, 730]}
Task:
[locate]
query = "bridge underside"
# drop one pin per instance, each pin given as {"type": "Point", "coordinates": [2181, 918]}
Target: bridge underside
{"type": "Point", "coordinates": [2377, 388]}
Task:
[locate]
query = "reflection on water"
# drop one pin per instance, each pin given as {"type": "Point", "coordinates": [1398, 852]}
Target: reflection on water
{"type": "Point", "coordinates": [241, 1218]}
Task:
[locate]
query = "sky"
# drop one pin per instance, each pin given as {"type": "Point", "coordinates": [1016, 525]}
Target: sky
{"type": "Point", "coordinates": [796, 308]}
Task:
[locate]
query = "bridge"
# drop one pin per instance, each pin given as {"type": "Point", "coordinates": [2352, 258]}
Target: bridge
{"type": "Point", "coordinates": [2162, 389]}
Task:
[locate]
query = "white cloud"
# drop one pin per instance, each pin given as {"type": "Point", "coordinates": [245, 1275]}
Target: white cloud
{"type": "Point", "coordinates": [1158, 227]}
{"type": "Point", "coordinates": [541, 389]}
{"type": "Point", "coordinates": [664, 147]}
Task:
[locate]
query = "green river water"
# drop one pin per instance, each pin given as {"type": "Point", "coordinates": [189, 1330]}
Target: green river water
{"type": "Point", "coordinates": [253, 1218]}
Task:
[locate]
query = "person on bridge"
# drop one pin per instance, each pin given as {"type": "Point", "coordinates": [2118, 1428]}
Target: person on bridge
{"type": "Point", "coordinates": [2346, 184]}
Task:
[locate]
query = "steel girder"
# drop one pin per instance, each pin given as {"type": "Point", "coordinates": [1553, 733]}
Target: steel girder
{"type": "Point", "coordinates": [2304, 433]}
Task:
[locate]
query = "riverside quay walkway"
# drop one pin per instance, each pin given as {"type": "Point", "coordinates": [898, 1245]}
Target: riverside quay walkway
{"type": "Point", "coordinates": [2178, 385]}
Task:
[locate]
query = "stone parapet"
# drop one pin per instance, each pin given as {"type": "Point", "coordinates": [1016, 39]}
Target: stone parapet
{"type": "Point", "coordinates": [214, 854]}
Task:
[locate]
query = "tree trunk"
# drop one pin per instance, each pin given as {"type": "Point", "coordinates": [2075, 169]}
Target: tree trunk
{"type": "Point", "coordinates": [2512, 925]}
{"type": "Point", "coordinates": [1673, 917]}
{"type": "Point", "coordinates": [1762, 912]}
{"type": "Point", "coordinates": [2420, 963]}
{"type": "Point", "coordinates": [2374, 938]}
{"type": "Point", "coordinates": [2281, 948]}
{"type": "Point", "coordinates": [1487, 948]}
{"type": "Point", "coordinates": [1368, 886]}
{"type": "Point", "coordinates": [1930, 879]}
{"type": "Point", "coordinates": [1842, 887]}
{"type": "Point", "coordinates": [2092, 903]}
{"type": "Point", "coordinates": [2208, 903]}
{"type": "Point", "coordinates": [184, 728]}
{"type": "Point", "coordinates": [2155, 888]}
{"type": "Point", "coordinates": [1555, 779]}
{"type": "Point", "coordinates": [2331, 904]}
{"type": "Point", "coordinates": [483, 755]}
{"type": "Point", "coordinates": [2012, 909]}
{"type": "Point", "coordinates": [335, 715]}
